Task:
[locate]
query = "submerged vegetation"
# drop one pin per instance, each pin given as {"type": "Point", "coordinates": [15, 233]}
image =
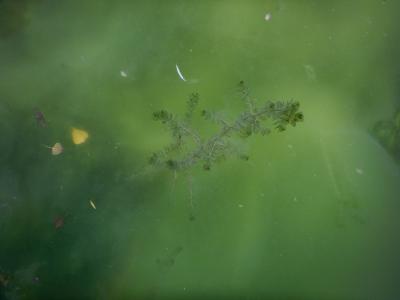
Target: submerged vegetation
{"type": "Point", "coordinates": [188, 148]}
{"type": "Point", "coordinates": [388, 134]}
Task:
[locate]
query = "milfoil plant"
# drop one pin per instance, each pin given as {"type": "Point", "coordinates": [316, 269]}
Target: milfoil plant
{"type": "Point", "coordinates": [188, 148]}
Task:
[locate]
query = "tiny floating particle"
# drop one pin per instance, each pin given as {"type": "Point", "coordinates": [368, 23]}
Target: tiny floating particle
{"type": "Point", "coordinates": [123, 73]}
{"type": "Point", "coordinates": [92, 204]}
{"type": "Point", "coordinates": [79, 136]}
{"type": "Point", "coordinates": [40, 119]}
{"type": "Point", "coordinates": [59, 222]}
{"type": "Point", "coordinates": [359, 171]}
{"type": "Point", "coordinates": [57, 149]}
{"type": "Point", "coordinates": [268, 17]}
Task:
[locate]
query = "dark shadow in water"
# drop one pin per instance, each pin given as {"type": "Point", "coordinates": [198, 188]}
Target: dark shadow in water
{"type": "Point", "coordinates": [167, 261]}
{"type": "Point", "coordinates": [44, 261]}
{"type": "Point", "coordinates": [13, 16]}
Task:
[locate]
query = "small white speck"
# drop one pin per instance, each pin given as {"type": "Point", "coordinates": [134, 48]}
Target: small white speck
{"type": "Point", "coordinates": [179, 73]}
{"type": "Point", "coordinates": [123, 73]}
{"type": "Point", "coordinates": [240, 205]}
{"type": "Point", "coordinates": [359, 171]}
{"type": "Point", "coordinates": [268, 17]}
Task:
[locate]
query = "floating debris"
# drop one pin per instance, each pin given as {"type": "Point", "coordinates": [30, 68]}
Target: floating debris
{"type": "Point", "coordinates": [359, 171]}
{"type": "Point", "coordinates": [57, 149]}
{"type": "Point", "coordinates": [92, 204]}
{"type": "Point", "coordinates": [4, 280]}
{"type": "Point", "coordinates": [310, 72]}
{"type": "Point", "coordinates": [267, 17]}
{"type": "Point", "coordinates": [59, 222]}
{"type": "Point", "coordinates": [40, 119]}
{"type": "Point", "coordinates": [180, 73]}
{"type": "Point", "coordinates": [167, 261]}
{"type": "Point", "coordinates": [123, 73]}
{"type": "Point", "coordinates": [79, 136]}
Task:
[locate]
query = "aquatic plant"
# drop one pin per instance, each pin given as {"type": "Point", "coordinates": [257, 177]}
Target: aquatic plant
{"type": "Point", "coordinates": [387, 132]}
{"type": "Point", "coordinates": [188, 148]}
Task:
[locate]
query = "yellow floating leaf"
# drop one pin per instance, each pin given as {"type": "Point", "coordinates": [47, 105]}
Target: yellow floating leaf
{"type": "Point", "coordinates": [57, 149]}
{"type": "Point", "coordinates": [92, 204]}
{"type": "Point", "coordinates": [79, 136]}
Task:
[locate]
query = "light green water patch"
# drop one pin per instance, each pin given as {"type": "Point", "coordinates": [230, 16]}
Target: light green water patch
{"type": "Point", "coordinates": [313, 205]}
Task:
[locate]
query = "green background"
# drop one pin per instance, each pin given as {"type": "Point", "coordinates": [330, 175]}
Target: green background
{"type": "Point", "coordinates": [312, 215]}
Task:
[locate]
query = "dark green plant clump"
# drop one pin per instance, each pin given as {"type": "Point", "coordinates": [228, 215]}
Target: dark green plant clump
{"type": "Point", "coordinates": [388, 134]}
{"type": "Point", "coordinates": [188, 148]}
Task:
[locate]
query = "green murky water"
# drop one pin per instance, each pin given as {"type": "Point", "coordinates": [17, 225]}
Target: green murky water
{"type": "Point", "coordinates": [312, 215]}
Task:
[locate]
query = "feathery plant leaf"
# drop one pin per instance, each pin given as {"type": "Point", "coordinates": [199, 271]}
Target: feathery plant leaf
{"type": "Point", "coordinates": [208, 151]}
